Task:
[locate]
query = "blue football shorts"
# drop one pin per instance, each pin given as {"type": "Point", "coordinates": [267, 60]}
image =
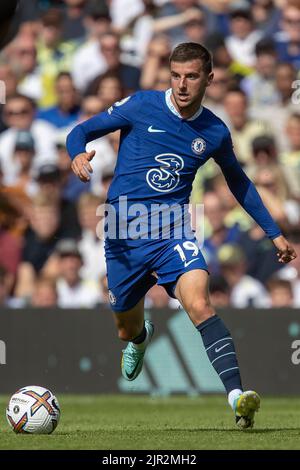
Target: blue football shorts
{"type": "Point", "coordinates": [134, 266]}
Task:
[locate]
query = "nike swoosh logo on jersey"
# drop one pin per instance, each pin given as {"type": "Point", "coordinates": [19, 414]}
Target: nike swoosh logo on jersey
{"type": "Point", "coordinates": [222, 347]}
{"type": "Point", "coordinates": [186, 264]}
{"type": "Point", "coordinates": [151, 129]}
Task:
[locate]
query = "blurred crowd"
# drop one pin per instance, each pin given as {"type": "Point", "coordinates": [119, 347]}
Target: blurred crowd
{"type": "Point", "coordinates": [72, 59]}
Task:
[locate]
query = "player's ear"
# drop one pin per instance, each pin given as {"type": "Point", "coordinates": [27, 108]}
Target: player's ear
{"type": "Point", "coordinates": [210, 78]}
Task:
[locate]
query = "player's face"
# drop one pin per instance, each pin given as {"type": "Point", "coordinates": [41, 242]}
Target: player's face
{"type": "Point", "coordinates": [189, 82]}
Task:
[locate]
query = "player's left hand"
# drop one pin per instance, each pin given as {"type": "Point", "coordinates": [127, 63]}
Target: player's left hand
{"type": "Point", "coordinates": [286, 252]}
{"type": "Point", "coordinates": [81, 165]}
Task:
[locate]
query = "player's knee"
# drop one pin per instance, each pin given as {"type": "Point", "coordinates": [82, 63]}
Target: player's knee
{"type": "Point", "coordinates": [201, 309]}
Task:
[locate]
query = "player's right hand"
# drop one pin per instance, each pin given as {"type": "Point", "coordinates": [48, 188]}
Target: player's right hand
{"type": "Point", "coordinates": [81, 165]}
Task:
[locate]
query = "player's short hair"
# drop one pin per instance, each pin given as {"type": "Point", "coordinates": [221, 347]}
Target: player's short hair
{"type": "Point", "coordinates": [187, 51]}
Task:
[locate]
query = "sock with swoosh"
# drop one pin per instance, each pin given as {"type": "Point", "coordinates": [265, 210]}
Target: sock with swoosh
{"type": "Point", "coordinates": [221, 353]}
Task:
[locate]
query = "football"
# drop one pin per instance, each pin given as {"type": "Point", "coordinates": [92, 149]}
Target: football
{"type": "Point", "coordinates": [33, 410]}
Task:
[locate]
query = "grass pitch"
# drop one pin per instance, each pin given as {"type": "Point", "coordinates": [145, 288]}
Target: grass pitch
{"type": "Point", "coordinates": [138, 422]}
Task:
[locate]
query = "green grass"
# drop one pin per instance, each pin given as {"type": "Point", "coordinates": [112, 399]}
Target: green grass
{"type": "Point", "coordinates": [137, 422]}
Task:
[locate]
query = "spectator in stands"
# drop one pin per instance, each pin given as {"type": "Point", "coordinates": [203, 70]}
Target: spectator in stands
{"type": "Point", "coordinates": [73, 19]}
{"type": "Point", "coordinates": [9, 78]}
{"type": "Point", "coordinates": [215, 212]}
{"type": "Point", "coordinates": [163, 79]}
{"type": "Point", "coordinates": [265, 153]}
{"type": "Point", "coordinates": [39, 242]}
{"type": "Point", "coordinates": [128, 74]}
{"type": "Point", "coordinates": [97, 22]}
{"type": "Point", "coordinates": [5, 289]}
{"type": "Point", "coordinates": [73, 290]}
{"type": "Point", "coordinates": [245, 290]}
{"type": "Point", "coordinates": [48, 178]}
{"type": "Point", "coordinates": [10, 252]}
{"type": "Point", "coordinates": [157, 57]}
{"type": "Point", "coordinates": [157, 297]}
{"type": "Point", "coordinates": [244, 36]}
{"type": "Point", "coordinates": [137, 34]}
{"type": "Point", "coordinates": [71, 186]}
{"type": "Point", "coordinates": [288, 39]}
{"type": "Point", "coordinates": [219, 292]}
{"type": "Point", "coordinates": [260, 85]}
{"type": "Point", "coordinates": [14, 208]}
{"type": "Point", "coordinates": [275, 190]}
{"type": "Point", "coordinates": [44, 293]}
{"type": "Point", "coordinates": [67, 110]}
{"type": "Point", "coordinates": [291, 158]}
{"type": "Point", "coordinates": [109, 45]}
{"type": "Point", "coordinates": [260, 253]}
{"type": "Point", "coordinates": [24, 61]}
{"type": "Point", "coordinates": [196, 28]}
{"type": "Point", "coordinates": [215, 42]}
{"type": "Point", "coordinates": [280, 292]}
{"type": "Point", "coordinates": [216, 92]}
{"type": "Point", "coordinates": [278, 113]}
{"type": "Point", "coordinates": [234, 213]}
{"type": "Point", "coordinates": [23, 157]}
{"type": "Point", "coordinates": [243, 128]}
{"type": "Point", "coordinates": [108, 87]}
{"type": "Point", "coordinates": [91, 244]}
{"type": "Point", "coordinates": [106, 155]}
{"type": "Point", "coordinates": [181, 12]}
{"type": "Point", "coordinates": [90, 106]}
{"type": "Point", "coordinates": [285, 75]}
{"type": "Point", "coordinates": [266, 15]}
{"type": "Point", "coordinates": [19, 114]}
{"type": "Point", "coordinates": [124, 11]}
{"type": "Point", "coordinates": [54, 54]}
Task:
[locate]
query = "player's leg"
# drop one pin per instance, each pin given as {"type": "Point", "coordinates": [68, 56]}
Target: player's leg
{"type": "Point", "coordinates": [128, 282]}
{"type": "Point", "coordinates": [138, 332]}
{"type": "Point", "coordinates": [130, 323]}
{"type": "Point", "coordinates": [192, 292]}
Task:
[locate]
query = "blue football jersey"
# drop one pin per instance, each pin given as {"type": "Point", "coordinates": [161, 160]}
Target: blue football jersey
{"type": "Point", "coordinates": [160, 153]}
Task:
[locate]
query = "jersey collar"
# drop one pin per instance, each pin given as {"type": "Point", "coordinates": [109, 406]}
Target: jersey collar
{"type": "Point", "coordinates": [172, 108]}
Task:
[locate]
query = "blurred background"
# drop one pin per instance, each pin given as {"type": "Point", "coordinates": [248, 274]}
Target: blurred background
{"type": "Point", "coordinates": [71, 59]}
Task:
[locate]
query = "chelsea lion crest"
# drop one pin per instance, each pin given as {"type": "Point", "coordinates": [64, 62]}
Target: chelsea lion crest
{"type": "Point", "coordinates": [198, 145]}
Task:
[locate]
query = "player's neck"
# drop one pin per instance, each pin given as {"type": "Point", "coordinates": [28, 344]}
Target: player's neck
{"type": "Point", "coordinates": [189, 111]}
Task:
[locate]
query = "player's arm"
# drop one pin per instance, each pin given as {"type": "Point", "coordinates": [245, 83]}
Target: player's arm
{"type": "Point", "coordinates": [119, 116]}
{"type": "Point", "coordinates": [247, 195]}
